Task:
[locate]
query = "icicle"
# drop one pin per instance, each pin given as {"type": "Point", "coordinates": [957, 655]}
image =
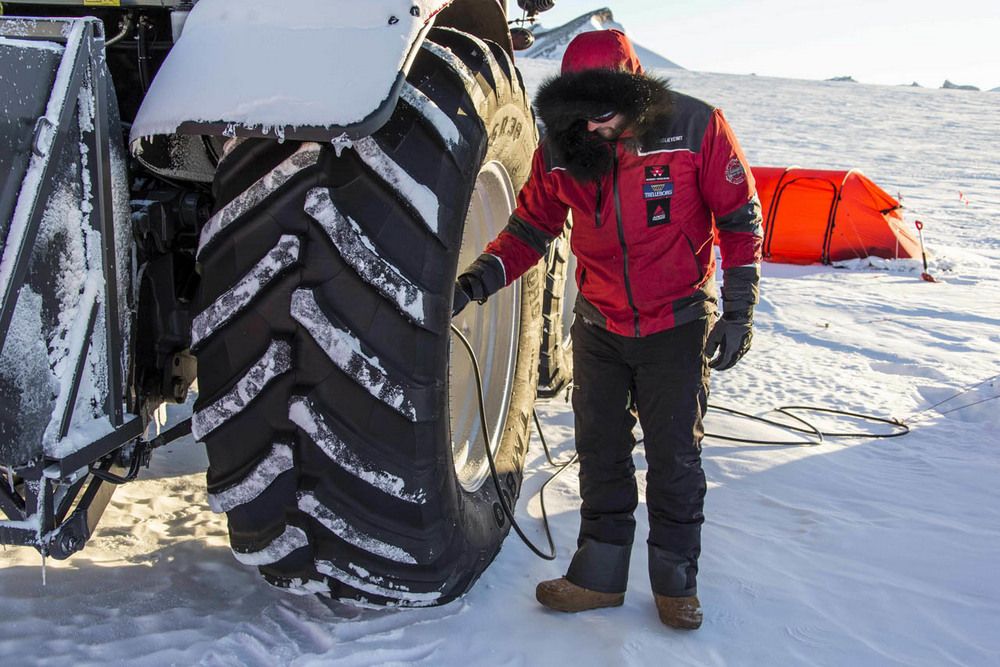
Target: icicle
{"type": "Point", "coordinates": [44, 577]}
{"type": "Point", "coordinates": [160, 417]}
{"type": "Point", "coordinates": [340, 143]}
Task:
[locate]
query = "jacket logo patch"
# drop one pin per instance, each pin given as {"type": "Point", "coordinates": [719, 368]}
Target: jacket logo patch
{"type": "Point", "coordinates": [735, 173]}
{"type": "Point", "coordinates": [660, 172]}
{"type": "Point", "coordinates": [657, 190]}
{"type": "Point", "coordinates": [657, 212]}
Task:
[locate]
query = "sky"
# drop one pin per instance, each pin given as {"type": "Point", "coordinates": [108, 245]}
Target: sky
{"type": "Point", "coordinates": [875, 41]}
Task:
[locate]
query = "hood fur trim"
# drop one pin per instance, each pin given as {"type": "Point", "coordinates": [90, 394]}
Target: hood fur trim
{"type": "Point", "coordinates": [564, 102]}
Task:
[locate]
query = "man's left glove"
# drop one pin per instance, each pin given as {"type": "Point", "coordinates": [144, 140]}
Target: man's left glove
{"type": "Point", "coordinates": [478, 282]}
{"type": "Point", "coordinates": [730, 338]}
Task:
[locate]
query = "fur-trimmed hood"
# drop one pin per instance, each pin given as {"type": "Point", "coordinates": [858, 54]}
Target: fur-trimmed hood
{"type": "Point", "coordinates": [564, 102]}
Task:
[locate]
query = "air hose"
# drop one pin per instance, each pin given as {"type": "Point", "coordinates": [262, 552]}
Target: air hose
{"type": "Point", "coordinates": [501, 496]}
{"type": "Point", "coordinates": [898, 428]}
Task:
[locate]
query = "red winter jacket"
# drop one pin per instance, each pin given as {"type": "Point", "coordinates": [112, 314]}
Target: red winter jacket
{"type": "Point", "coordinates": [646, 207]}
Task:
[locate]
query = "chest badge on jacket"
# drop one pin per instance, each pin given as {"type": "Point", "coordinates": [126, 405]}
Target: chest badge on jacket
{"type": "Point", "coordinates": [657, 189]}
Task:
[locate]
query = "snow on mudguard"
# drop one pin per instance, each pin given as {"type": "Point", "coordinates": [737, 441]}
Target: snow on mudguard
{"type": "Point", "coordinates": [301, 69]}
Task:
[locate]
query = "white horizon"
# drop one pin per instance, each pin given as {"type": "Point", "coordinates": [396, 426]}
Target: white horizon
{"type": "Point", "coordinates": [888, 43]}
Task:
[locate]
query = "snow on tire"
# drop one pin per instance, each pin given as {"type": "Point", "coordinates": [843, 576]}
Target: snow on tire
{"type": "Point", "coordinates": [342, 433]}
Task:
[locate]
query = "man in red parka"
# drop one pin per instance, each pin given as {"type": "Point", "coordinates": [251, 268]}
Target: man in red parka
{"type": "Point", "coordinates": [650, 176]}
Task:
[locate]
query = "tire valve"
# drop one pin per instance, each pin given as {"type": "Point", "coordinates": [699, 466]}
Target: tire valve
{"type": "Point", "coordinates": [498, 514]}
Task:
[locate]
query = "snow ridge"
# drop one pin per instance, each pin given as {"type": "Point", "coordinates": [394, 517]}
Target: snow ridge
{"type": "Point", "coordinates": [405, 597]}
{"type": "Point", "coordinates": [231, 302]}
{"type": "Point", "coordinates": [277, 360]}
{"type": "Point", "coordinates": [358, 251]}
{"type": "Point", "coordinates": [337, 525]}
{"type": "Point", "coordinates": [551, 44]}
{"type": "Point", "coordinates": [306, 156]}
{"type": "Point", "coordinates": [303, 414]}
{"type": "Point", "coordinates": [499, 78]}
{"type": "Point", "coordinates": [278, 461]}
{"type": "Point", "coordinates": [344, 350]}
{"type": "Point", "coordinates": [293, 538]}
{"type": "Point", "coordinates": [454, 62]}
{"type": "Point", "coordinates": [419, 196]}
{"type": "Point", "coordinates": [431, 112]}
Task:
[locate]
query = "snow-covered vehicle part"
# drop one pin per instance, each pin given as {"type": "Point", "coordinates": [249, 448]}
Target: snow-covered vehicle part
{"type": "Point", "coordinates": [341, 424]}
{"type": "Point", "coordinates": [336, 71]}
{"type": "Point", "coordinates": [66, 280]}
{"type": "Point", "coordinates": [555, 363]}
{"type": "Point", "coordinates": [344, 437]}
{"type": "Point", "coordinates": [221, 79]}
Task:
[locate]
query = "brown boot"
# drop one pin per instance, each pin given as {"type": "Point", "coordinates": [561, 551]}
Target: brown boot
{"type": "Point", "coordinates": [683, 613]}
{"type": "Point", "coordinates": [563, 595]}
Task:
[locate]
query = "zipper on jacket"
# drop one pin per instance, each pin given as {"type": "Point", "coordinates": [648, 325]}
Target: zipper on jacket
{"type": "Point", "coordinates": [600, 201]}
{"type": "Point", "coordinates": [621, 237]}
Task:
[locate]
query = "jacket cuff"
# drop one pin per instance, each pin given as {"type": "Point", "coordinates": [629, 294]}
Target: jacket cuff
{"type": "Point", "coordinates": [740, 288]}
{"type": "Point", "coordinates": [489, 271]}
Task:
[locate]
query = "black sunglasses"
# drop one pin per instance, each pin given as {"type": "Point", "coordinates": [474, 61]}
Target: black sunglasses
{"type": "Point", "coordinates": [603, 117]}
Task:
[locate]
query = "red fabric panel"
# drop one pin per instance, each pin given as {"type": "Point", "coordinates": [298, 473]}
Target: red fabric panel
{"type": "Point", "coordinates": [799, 219]}
{"type": "Point", "coordinates": [537, 205]}
{"type": "Point", "coordinates": [726, 182]}
{"type": "Point", "coordinates": [862, 229]}
{"type": "Point", "coordinates": [766, 179]}
{"type": "Point", "coordinates": [601, 49]}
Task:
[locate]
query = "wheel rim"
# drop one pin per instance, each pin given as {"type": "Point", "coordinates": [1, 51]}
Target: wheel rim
{"type": "Point", "coordinates": [569, 298]}
{"type": "Point", "coordinates": [492, 330]}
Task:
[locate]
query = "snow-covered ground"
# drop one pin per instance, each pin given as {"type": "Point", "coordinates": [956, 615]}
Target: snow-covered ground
{"type": "Point", "coordinates": [874, 552]}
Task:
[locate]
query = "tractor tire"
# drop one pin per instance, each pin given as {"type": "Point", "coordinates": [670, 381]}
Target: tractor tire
{"type": "Point", "coordinates": [330, 389]}
{"type": "Point", "coordinates": [555, 362]}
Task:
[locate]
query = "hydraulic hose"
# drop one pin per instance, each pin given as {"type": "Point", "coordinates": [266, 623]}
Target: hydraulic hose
{"type": "Point", "coordinates": [142, 52]}
{"type": "Point", "coordinates": [126, 27]}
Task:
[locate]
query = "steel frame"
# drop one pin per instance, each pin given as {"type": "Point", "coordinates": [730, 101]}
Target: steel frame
{"type": "Point", "coordinates": [54, 504]}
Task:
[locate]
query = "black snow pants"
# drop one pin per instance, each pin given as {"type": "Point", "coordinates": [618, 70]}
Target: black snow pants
{"type": "Point", "coordinates": [666, 375]}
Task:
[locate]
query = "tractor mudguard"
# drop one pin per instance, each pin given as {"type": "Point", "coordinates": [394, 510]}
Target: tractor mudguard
{"type": "Point", "coordinates": [299, 69]}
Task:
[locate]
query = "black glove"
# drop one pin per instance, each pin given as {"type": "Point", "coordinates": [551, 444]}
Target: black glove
{"type": "Point", "coordinates": [730, 337]}
{"type": "Point", "coordinates": [460, 300]}
{"type": "Point", "coordinates": [466, 288]}
{"type": "Point", "coordinates": [478, 282]}
{"type": "Point", "coordinates": [536, 6]}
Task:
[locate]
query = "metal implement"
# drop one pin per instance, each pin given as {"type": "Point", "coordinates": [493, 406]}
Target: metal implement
{"type": "Point", "coordinates": [60, 139]}
{"type": "Point", "coordinates": [920, 234]}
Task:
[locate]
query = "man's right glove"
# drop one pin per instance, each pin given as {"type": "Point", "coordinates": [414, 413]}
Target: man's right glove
{"type": "Point", "coordinates": [466, 287]}
{"type": "Point", "coordinates": [730, 337]}
{"type": "Point", "coordinates": [478, 282]}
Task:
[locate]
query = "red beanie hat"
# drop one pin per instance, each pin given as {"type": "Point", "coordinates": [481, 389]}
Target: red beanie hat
{"type": "Point", "coordinates": [601, 49]}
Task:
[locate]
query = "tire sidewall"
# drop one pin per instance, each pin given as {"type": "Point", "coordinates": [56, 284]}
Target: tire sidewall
{"type": "Point", "coordinates": [512, 139]}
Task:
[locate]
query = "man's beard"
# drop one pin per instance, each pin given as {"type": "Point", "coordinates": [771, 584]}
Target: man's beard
{"type": "Point", "coordinates": [609, 133]}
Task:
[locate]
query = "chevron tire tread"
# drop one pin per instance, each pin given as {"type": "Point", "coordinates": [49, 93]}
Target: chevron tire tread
{"type": "Point", "coordinates": [323, 342]}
